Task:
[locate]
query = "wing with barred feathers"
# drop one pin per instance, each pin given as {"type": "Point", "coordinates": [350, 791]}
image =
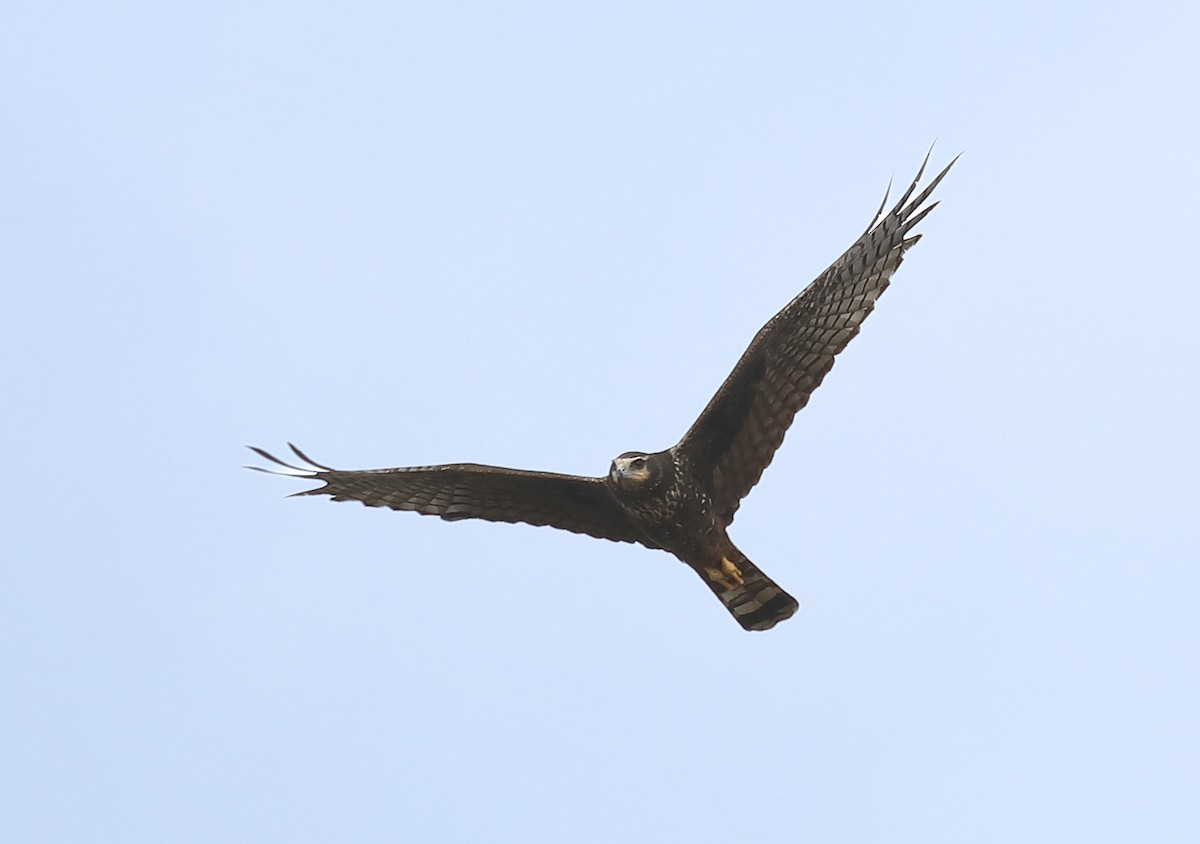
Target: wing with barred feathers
{"type": "Point", "coordinates": [471, 491]}
{"type": "Point", "coordinates": [737, 434]}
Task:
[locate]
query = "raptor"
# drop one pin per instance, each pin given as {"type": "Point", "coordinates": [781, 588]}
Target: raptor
{"type": "Point", "coordinates": [683, 499]}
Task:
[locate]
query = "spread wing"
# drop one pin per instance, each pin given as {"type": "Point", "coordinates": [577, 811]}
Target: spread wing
{"type": "Point", "coordinates": [739, 431]}
{"type": "Point", "coordinates": [470, 491]}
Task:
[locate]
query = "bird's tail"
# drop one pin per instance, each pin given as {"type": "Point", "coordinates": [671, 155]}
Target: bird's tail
{"type": "Point", "coordinates": [754, 600]}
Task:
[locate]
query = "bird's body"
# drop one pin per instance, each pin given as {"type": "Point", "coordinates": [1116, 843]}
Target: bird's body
{"type": "Point", "coordinates": [683, 499]}
{"type": "Point", "coordinates": [675, 511]}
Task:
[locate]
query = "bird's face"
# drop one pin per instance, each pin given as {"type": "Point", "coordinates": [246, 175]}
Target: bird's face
{"type": "Point", "coordinates": [633, 470]}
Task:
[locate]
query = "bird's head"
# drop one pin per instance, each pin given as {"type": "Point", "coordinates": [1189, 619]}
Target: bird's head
{"type": "Point", "coordinates": [636, 470]}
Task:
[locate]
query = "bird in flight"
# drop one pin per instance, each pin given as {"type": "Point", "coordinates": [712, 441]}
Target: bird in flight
{"type": "Point", "coordinates": [681, 500]}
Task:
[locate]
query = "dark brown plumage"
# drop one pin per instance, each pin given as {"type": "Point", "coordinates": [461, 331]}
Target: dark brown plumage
{"type": "Point", "coordinates": [680, 500]}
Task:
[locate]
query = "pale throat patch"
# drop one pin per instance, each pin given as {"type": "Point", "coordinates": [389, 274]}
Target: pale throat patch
{"type": "Point", "coordinates": [624, 466]}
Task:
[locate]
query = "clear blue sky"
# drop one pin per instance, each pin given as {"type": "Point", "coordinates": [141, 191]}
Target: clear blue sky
{"type": "Point", "coordinates": [538, 235]}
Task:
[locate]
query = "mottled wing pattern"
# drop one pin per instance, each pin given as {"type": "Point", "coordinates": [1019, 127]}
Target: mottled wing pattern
{"type": "Point", "coordinates": [471, 491]}
{"type": "Point", "coordinates": [737, 435]}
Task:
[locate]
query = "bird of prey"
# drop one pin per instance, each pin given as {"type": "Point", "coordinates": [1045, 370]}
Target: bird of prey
{"type": "Point", "coordinates": [683, 499]}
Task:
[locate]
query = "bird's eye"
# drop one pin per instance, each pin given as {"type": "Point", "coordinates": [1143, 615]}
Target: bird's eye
{"type": "Point", "coordinates": [638, 463]}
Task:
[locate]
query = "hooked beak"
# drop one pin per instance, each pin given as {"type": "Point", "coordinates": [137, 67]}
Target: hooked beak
{"type": "Point", "coordinates": [622, 471]}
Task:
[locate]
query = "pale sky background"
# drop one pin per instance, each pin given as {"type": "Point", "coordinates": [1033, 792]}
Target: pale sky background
{"type": "Point", "coordinates": [540, 234]}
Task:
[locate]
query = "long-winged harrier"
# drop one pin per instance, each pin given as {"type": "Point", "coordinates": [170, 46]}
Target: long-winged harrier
{"type": "Point", "coordinates": [683, 499]}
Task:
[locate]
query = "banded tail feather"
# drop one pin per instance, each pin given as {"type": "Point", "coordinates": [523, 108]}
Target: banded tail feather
{"type": "Point", "coordinates": [757, 602]}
